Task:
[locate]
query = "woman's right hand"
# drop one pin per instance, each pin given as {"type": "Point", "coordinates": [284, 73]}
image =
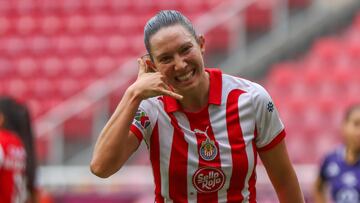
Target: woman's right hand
{"type": "Point", "coordinates": [150, 84]}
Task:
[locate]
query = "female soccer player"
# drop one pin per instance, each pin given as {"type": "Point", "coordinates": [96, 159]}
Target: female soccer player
{"type": "Point", "coordinates": [341, 168]}
{"type": "Point", "coordinates": [17, 158]}
{"type": "Point", "coordinates": [203, 128]}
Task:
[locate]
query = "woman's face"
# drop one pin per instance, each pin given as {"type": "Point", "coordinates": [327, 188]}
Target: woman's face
{"type": "Point", "coordinates": [178, 56]}
{"type": "Point", "coordinates": [351, 130]}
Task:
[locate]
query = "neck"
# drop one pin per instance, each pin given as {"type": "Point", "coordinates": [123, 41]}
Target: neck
{"type": "Point", "coordinates": [197, 98]}
{"type": "Point", "coordinates": [352, 156]}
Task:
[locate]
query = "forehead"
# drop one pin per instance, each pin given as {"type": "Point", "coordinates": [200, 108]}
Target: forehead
{"type": "Point", "coordinates": [170, 37]}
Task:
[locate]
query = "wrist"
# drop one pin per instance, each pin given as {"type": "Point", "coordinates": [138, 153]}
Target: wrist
{"type": "Point", "coordinates": [133, 94]}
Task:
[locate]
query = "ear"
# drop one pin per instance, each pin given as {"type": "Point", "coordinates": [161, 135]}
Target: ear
{"type": "Point", "coordinates": [201, 41]}
{"type": "Point", "coordinates": [150, 66]}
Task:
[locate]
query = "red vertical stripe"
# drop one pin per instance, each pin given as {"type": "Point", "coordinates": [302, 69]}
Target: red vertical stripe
{"type": "Point", "coordinates": [155, 163]}
{"type": "Point", "coordinates": [238, 153]}
{"type": "Point", "coordinates": [252, 181]}
{"type": "Point", "coordinates": [202, 124]}
{"type": "Point", "coordinates": [178, 164]}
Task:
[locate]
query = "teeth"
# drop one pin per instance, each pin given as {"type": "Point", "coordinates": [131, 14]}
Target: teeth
{"type": "Point", "coordinates": [185, 77]}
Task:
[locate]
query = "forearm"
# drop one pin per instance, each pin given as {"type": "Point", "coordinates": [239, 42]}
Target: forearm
{"type": "Point", "coordinates": [112, 149]}
{"type": "Point", "coordinates": [288, 190]}
{"type": "Point", "coordinates": [282, 174]}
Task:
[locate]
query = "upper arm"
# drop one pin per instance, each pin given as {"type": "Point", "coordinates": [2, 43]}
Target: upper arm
{"type": "Point", "coordinates": [132, 144]}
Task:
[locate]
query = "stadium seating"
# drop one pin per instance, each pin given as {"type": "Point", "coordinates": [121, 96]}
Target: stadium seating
{"type": "Point", "coordinates": [313, 92]}
{"type": "Point", "coordinates": [50, 50]}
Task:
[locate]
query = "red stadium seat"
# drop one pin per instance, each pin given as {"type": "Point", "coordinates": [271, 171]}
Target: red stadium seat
{"type": "Point", "coordinates": [51, 25]}
{"type": "Point", "coordinates": [41, 88]}
{"type": "Point", "coordinates": [139, 6]}
{"type": "Point", "coordinates": [91, 45]}
{"type": "Point", "coordinates": [101, 24]}
{"type": "Point", "coordinates": [116, 45]}
{"type": "Point", "coordinates": [77, 67]}
{"type": "Point", "coordinates": [119, 6]}
{"type": "Point", "coordinates": [283, 75]}
{"type": "Point", "coordinates": [24, 7]}
{"type": "Point", "coordinates": [49, 7]}
{"type": "Point", "coordinates": [52, 67]}
{"type": "Point", "coordinates": [25, 25]}
{"type": "Point", "coordinates": [163, 4]}
{"type": "Point", "coordinates": [103, 65]}
{"type": "Point", "coordinates": [26, 67]}
{"type": "Point", "coordinates": [72, 7]}
{"type": "Point", "coordinates": [16, 88]}
{"type": "Point", "coordinates": [14, 46]}
{"type": "Point", "coordinates": [40, 45]}
{"type": "Point", "coordinates": [214, 42]}
{"type": "Point", "coordinates": [258, 16]}
{"type": "Point", "coordinates": [7, 7]}
{"type": "Point", "coordinates": [77, 24]}
{"type": "Point", "coordinates": [5, 25]}
{"type": "Point", "coordinates": [66, 87]}
{"type": "Point", "coordinates": [6, 68]}
{"type": "Point", "coordinates": [328, 48]}
{"type": "Point", "coordinates": [95, 6]}
{"type": "Point", "coordinates": [127, 24]}
{"type": "Point", "coordinates": [65, 45]}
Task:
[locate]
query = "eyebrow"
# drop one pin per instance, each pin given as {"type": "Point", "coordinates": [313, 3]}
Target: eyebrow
{"type": "Point", "coordinates": [181, 47]}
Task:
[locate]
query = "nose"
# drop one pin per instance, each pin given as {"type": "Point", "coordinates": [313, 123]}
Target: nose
{"type": "Point", "coordinates": [180, 62]}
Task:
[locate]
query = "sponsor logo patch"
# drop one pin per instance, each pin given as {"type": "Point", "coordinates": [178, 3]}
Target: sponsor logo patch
{"type": "Point", "coordinates": [142, 120]}
{"type": "Point", "coordinates": [208, 179]}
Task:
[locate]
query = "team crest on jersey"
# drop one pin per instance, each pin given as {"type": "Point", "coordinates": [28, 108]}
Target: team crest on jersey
{"type": "Point", "coordinates": [208, 150]}
{"type": "Point", "coordinates": [208, 179]}
{"type": "Point", "coordinates": [142, 120]}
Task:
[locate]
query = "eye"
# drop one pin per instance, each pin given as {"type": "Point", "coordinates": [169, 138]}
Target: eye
{"type": "Point", "coordinates": [165, 59]}
{"type": "Point", "coordinates": [185, 50]}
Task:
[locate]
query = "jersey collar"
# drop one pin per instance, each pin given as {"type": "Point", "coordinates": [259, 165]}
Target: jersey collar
{"type": "Point", "coordinates": [215, 75]}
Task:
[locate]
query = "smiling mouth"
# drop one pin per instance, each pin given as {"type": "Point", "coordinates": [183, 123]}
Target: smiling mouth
{"type": "Point", "coordinates": [185, 77]}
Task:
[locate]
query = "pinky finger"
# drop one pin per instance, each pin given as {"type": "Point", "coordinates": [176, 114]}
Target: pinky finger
{"type": "Point", "coordinates": [172, 94]}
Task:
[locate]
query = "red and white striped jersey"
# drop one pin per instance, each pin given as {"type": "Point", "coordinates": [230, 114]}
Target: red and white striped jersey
{"type": "Point", "coordinates": [12, 168]}
{"type": "Point", "coordinates": [209, 156]}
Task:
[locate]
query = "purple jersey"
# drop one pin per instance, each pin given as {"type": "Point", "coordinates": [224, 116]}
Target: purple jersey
{"type": "Point", "coordinates": [343, 179]}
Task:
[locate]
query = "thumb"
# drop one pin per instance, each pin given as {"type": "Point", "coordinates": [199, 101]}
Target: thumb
{"type": "Point", "coordinates": [142, 66]}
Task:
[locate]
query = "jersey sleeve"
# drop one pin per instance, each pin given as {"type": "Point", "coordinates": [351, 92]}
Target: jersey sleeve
{"type": "Point", "coordinates": [144, 120]}
{"type": "Point", "coordinates": [269, 128]}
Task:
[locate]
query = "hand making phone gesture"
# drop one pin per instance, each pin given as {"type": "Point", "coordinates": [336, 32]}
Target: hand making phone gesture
{"type": "Point", "coordinates": [151, 83]}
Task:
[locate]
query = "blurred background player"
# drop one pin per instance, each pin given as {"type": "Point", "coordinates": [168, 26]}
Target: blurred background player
{"type": "Point", "coordinates": [340, 171]}
{"type": "Point", "coordinates": [17, 158]}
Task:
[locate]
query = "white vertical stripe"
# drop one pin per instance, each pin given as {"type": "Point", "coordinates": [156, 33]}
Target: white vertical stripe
{"type": "Point", "coordinates": [217, 116]}
{"type": "Point", "coordinates": [247, 124]}
{"type": "Point", "coordinates": [193, 158]}
{"type": "Point", "coordinates": [166, 133]}
{"type": "Point", "coordinates": [1, 156]}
